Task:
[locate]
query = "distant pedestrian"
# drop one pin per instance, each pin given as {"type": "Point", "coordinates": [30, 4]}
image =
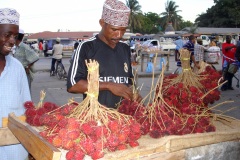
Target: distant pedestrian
{"type": "Point", "coordinates": [34, 45]}
{"type": "Point", "coordinates": [228, 50]}
{"type": "Point", "coordinates": [40, 46]}
{"type": "Point", "coordinates": [190, 46]}
{"type": "Point", "coordinates": [45, 48]}
{"type": "Point", "coordinates": [26, 55]}
{"type": "Point", "coordinates": [179, 44]}
{"type": "Point", "coordinates": [57, 55]}
{"type": "Point", "coordinates": [199, 50]}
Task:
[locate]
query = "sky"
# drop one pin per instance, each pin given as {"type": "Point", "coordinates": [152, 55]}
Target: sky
{"type": "Point", "coordinates": [83, 15]}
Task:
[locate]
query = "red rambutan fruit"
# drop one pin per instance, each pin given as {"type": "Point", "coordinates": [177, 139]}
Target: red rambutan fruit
{"type": "Point", "coordinates": [155, 134]}
{"type": "Point", "coordinates": [79, 155]}
{"type": "Point", "coordinates": [70, 155]}
{"type": "Point", "coordinates": [87, 129]}
{"type": "Point", "coordinates": [87, 146]}
{"type": "Point", "coordinates": [67, 143]}
{"type": "Point", "coordinates": [29, 104]}
{"type": "Point", "coordinates": [30, 112]}
{"type": "Point", "coordinates": [57, 141]}
{"type": "Point", "coordinates": [133, 143]}
{"type": "Point", "coordinates": [36, 121]}
{"type": "Point", "coordinates": [97, 154]}
{"type": "Point", "coordinates": [112, 141]}
{"type": "Point", "coordinates": [114, 126]}
{"type": "Point", "coordinates": [122, 147]}
{"type": "Point", "coordinates": [73, 134]}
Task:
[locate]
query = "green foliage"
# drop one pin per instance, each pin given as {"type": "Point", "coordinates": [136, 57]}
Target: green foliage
{"type": "Point", "coordinates": [184, 24]}
{"type": "Point", "coordinates": [225, 13]}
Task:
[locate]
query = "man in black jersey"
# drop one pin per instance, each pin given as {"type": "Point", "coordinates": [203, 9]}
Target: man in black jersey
{"type": "Point", "coordinates": [113, 56]}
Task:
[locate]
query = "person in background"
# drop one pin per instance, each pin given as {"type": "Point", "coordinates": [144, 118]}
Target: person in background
{"type": "Point", "coordinates": [133, 57]}
{"type": "Point", "coordinates": [45, 48]}
{"type": "Point", "coordinates": [40, 47]}
{"type": "Point", "coordinates": [113, 56]}
{"type": "Point", "coordinates": [212, 42]}
{"type": "Point", "coordinates": [179, 44]}
{"type": "Point", "coordinates": [57, 55]}
{"type": "Point", "coordinates": [35, 46]}
{"type": "Point", "coordinates": [26, 55]}
{"type": "Point", "coordinates": [14, 90]}
{"type": "Point", "coordinates": [190, 46]}
{"type": "Point", "coordinates": [199, 51]}
{"type": "Point", "coordinates": [228, 51]}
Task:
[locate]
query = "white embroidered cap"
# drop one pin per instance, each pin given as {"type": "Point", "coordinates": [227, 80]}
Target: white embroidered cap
{"type": "Point", "coordinates": [115, 13]}
{"type": "Point", "coordinates": [9, 16]}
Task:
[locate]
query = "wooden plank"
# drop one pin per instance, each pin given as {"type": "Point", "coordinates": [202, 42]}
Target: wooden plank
{"type": "Point", "coordinates": [5, 120]}
{"type": "Point", "coordinates": [37, 146]}
{"type": "Point", "coordinates": [179, 155]}
{"type": "Point", "coordinates": [7, 137]}
{"type": "Point", "coordinates": [176, 143]}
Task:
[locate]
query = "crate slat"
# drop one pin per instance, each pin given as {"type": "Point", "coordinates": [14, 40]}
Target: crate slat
{"type": "Point", "coordinates": [37, 146]}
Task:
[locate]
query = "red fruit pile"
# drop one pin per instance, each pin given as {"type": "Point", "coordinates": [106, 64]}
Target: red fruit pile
{"type": "Point", "coordinates": [156, 119]}
{"type": "Point", "coordinates": [210, 81]}
{"type": "Point", "coordinates": [179, 109]}
{"type": "Point", "coordinates": [88, 137]}
{"type": "Point", "coordinates": [33, 114]}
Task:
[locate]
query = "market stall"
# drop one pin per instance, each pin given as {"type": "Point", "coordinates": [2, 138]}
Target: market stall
{"type": "Point", "coordinates": [164, 128]}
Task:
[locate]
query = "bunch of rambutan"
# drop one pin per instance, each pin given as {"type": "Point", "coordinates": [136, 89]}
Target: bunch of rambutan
{"type": "Point", "coordinates": [91, 137]}
{"type": "Point", "coordinates": [33, 113]}
{"type": "Point", "coordinates": [89, 128]}
{"type": "Point", "coordinates": [177, 107]}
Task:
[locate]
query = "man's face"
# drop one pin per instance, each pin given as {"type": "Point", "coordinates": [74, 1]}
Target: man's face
{"type": "Point", "coordinates": [8, 35]}
{"type": "Point", "coordinates": [228, 39]}
{"type": "Point", "coordinates": [112, 34]}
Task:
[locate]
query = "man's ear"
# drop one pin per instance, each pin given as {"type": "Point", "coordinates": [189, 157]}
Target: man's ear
{"type": "Point", "coordinates": [101, 22]}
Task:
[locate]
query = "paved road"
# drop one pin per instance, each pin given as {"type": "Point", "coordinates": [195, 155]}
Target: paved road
{"type": "Point", "coordinates": [56, 89]}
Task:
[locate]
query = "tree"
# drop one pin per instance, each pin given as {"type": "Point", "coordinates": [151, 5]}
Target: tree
{"type": "Point", "coordinates": [171, 14]}
{"type": "Point", "coordinates": [184, 24]}
{"type": "Point", "coordinates": [135, 14]}
{"type": "Point", "coordinates": [225, 13]}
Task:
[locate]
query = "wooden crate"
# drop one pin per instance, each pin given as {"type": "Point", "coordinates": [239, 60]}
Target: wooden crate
{"type": "Point", "coordinates": [7, 137]}
{"type": "Point", "coordinates": [169, 147]}
{"type": "Point", "coordinates": [37, 146]}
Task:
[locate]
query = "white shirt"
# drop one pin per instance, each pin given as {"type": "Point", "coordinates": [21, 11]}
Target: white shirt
{"type": "Point", "coordinates": [57, 51]}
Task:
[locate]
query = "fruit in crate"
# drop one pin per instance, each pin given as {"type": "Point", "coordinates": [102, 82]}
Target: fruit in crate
{"type": "Point", "coordinates": [34, 112]}
{"type": "Point", "coordinates": [89, 128]}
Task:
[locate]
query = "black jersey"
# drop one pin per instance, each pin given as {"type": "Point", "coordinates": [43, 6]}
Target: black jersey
{"type": "Point", "coordinates": [114, 66]}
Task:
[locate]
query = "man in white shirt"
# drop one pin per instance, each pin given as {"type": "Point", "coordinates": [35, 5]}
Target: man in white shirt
{"type": "Point", "coordinates": [57, 55]}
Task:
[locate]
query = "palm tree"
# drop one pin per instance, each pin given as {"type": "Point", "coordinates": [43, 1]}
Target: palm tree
{"type": "Point", "coordinates": [171, 14]}
{"type": "Point", "coordinates": [135, 14]}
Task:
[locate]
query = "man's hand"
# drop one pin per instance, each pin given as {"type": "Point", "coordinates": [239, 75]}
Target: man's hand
{"type": "Point", "coordinates": [27, 70]}
{"type": "Point", "coordinates": [124, 91]}
{"type": "Point", "coordinates": [121, 90]}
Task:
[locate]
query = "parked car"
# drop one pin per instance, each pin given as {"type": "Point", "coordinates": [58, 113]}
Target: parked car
{"type": "Point", "coordinates": [166, 45]}
{"type": "Point", "coordinates": [68, 46]}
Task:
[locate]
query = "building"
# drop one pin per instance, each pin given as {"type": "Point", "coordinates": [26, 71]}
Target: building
{"type": "Point", "coordinates": [211, 31]}
{"type": "Point", "coordinates": [63, 35]}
